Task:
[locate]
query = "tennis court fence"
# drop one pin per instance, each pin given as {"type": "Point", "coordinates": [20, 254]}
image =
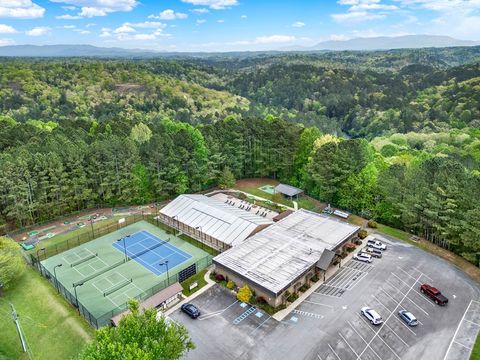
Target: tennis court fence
{"type": "Point", "coordinates": [104, 319]}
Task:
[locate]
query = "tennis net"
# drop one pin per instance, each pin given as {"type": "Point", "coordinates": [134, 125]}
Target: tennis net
{"type": "Point", "coordinates": [75, 263]}
{"type": "Point", "coordinates": [153, 247]}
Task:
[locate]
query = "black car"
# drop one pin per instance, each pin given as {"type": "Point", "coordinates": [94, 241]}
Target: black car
{"type": "Point", "coordinates": [191, 310]}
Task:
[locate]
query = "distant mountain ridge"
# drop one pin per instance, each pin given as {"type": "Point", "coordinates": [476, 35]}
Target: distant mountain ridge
{"type": "Point", "coordinates": [357, 44]}
{"type": "Point", "coordinates": [387, 43]}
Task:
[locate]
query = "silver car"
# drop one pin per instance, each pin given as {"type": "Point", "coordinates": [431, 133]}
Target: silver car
{"type": "Point", "coordinates": [408, 317]}
{"type": "Point", "coordinates": [371, 315]}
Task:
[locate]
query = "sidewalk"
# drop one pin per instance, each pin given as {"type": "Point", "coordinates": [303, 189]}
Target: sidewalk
{"type": "Point", "coordinates": [210, 283]}
{"type": "Point", "coordinates": [279, 316]}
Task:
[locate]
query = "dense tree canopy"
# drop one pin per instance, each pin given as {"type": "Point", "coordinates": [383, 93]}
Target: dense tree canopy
{"type": "Point", "coordinates": [399, 143]}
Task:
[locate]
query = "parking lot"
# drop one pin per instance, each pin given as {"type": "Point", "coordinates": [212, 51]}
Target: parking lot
{"type": "Point", "coordinates": [328, 324]}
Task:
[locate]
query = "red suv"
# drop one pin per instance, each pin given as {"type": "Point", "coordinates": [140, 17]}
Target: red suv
{"type": "Point", "coordinates": [434, 294]}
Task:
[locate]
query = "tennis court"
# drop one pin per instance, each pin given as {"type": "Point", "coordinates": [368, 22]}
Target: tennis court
{"type": "Point", "coordinates": [150, 251]}
{"type": "Point", "coordinates": [105, 274]}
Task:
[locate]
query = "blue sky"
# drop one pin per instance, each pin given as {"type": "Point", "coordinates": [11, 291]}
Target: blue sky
{"type": "Point", "coordinates": [227, 25]}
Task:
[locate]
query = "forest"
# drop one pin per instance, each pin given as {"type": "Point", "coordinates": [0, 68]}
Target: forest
{"type": "Point", "coordinates": [391, 135]}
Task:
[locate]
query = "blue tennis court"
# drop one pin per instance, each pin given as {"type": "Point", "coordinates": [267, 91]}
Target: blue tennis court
{"type": "Point", "coordinates": [149, 251]}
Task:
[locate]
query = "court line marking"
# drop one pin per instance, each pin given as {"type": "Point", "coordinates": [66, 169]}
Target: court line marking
{"type": "Point", "coordinates": [458, 328]}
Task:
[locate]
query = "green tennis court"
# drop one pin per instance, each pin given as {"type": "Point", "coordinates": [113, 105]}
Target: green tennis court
{"type": "Point", "coordinates": [106, 277]}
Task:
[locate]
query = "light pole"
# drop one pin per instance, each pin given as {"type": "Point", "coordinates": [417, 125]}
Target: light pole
{"type": "Point", "coordinates": [91, 224]}
{"type": "Point", "coordinates": [165, 263]}
{"type": "Point", "coordinates": [199, 228]}
{"type": "Point", "coordinates": [76, 297]}
{"type": "Point", "coordinates": [124, 246]}
{"type": "Point", "coordinates": [55, 275]}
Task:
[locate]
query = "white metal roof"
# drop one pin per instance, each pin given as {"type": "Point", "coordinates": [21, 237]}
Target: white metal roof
{"type": "Point", "coordinates": [276, 256]}
{"type": "Point", "coordinates": [288, 190]}
{"type": "Point", "coordinates": [217, 219]}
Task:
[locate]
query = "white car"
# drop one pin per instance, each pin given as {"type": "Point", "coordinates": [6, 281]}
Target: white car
{"type": "Point", "coordinates": [371, 315]}
{"type": "Point", "coordinates": [363, 257]}
{"type": "Point", "coordinates": [377, 244]}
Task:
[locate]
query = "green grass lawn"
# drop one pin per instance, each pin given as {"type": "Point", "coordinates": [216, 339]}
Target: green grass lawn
{"type": "Point", "coordinates": [475, 355]}
{"type": "Point", "coordinates": [200, 278]}
{"type": "Point", "coordinates": [399, 234]}
{"type": "Point", "coordinates": [52, 328]}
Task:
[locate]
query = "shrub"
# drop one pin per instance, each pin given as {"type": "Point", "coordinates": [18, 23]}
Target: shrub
{"type": "Point", "coordinates": [372, 224]}
{"type": "Point", "coordinates": [314, 278]}
{"type": "Point", "coordinates": [358, 241]}
{"type": "Point", "coordinates": [292, 298]}
{"type": "Point", "coordinates": [304, 288]}
{"type": "Point", "coordinates": [230, 284]}
{"type": "Point", "coordinates": [362, 234]}
{"type": "Point", "coordinates": [350, 249]}
{"type": "Point", "coordinates": [244, 294]}
{"type": "Point", "coordinates": [241, 196]}
{"type": "Point", "coordinates": [219, 277]}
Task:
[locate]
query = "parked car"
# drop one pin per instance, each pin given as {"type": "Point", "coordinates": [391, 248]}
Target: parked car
{"type": "Point", "coordinates": [374, 252]}
{"type": "Point", "coordinates": [371, 315]}
{"type": "Point", "coordinates": [363, 257]}
{"type": "Point", "coordinates": [434, 294]}
{"type": "Point", "coordinates": [191, 310]}
{"type": "Point", "coordinates": [377, 244]}
{"type": "Point", "coordinates": [408, 317]}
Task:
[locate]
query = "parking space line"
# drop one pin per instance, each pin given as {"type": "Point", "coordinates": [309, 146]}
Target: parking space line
{"type": "Point", "coordinates": [346, 342]}
{"type": "Point", "coordinates": [313, 302]}
{"type": "Point", "coordinates": [338, 357]}
{"type": "Point", "coordinates": [321, 294]}
{"type": "Point", "coordinates": [386, 320]}
{"type": "Point", "coordinates": [368, 324]}
{"type": "Point", "coordinates": [399, 268]}
{"type": "Point", "coordinates": [361, 337]}
{"type": "Point", "coordinates": [398, 336]}
{"type": "Point", "coordinates": [381, 303]}
{"type": "Point", "coordinates": [401, 322]}
{"type": "Point", "coordinates": [428, 277]}
{"type": "Point", "coordinates": [423, 296]}
{"type": "Point", "coordinates": [465, 346]}
{"type": "Point", "coordinates": [458, 328]}
{"type": "Point", "coordinates": [218, 312]}
{"type": "Point", "coordinates": [471, 322]}
{"type": "Point", "coordinates": [318, 355]}
{"type": "Point", "coordinates": [413, 302]}
{"type": "Point", "coordinates": [258, 327]}
{"type": "Point", "coordinates": [406, 326]}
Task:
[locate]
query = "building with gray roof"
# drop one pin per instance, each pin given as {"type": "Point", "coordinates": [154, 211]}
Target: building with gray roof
{"type": "Point", "coordinates": [281, 258]}
{"type": "Point", "coordinates": [210, 221]}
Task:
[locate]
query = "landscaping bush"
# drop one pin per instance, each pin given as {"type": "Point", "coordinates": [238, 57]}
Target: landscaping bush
{"type": "Point", "coordinates": [304, 288]}
{"type": "Point", "coordinates": [314, 278]}
{"type": "Point", "coordinates": [241, 196]}
{"type": "Point", "coordinates": [219, 277]}
{"type": "Point", "coordinates": [292, 298]}
{"type": "Point", "coordinates": [362, 234]}
{"type": "Point", "coordinates": [230, 284]}
{"type": "Point", "coordinates": [358, 241]}
{"type": "Point", "coordinates": [244, 294]}
{"type": "Point", "coordinates": [372, 224]}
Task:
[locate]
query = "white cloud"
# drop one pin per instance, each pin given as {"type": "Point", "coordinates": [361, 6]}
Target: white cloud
{"type": "Point", "coordinates": [20, 9]}
{"type": "Point", "coordinates": [68, 17]}
{"type": "Point", "coordinates": [169, 14]}
{"type": "Point", "coordinates": [148, 25]}
{"type": "Point", "coordinates": [67, 27]}
{"type": "Point", "coordinates": [213, 4]}
{"type": "Point", "coordinates": [298, 24]}
{"type": "Point", "coordinates": [125, 28]}
{"type": "Point", "coordinates": [69, 8]}
{"type": "Point", "coordinates": [220, 21]}
{"type": "Point", "coordinates": [82, 31]}
{"type": "Point", "coordinates": [38, 31]}
{"type": "Point", "coordinates": [90, 25]}
{"type": "Point", "coordinates": [5, 42]}
{"type": "Point", "coordinates": [92, 8]}
{"type": "Point", "coordinates": [7, 29]}
{"type": "Point", "coordinates": [356, 16]}
{"type": "Point", "coordinates": [106, 32]}
{"type": "Point", "coordinates": [200, 10]}
{"type": "Point", "coordinates": [144, 37]}
{"type": "Point", "coordinates": [201, 21]}
{"type": "Point", "coordinates": [274, 39]}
